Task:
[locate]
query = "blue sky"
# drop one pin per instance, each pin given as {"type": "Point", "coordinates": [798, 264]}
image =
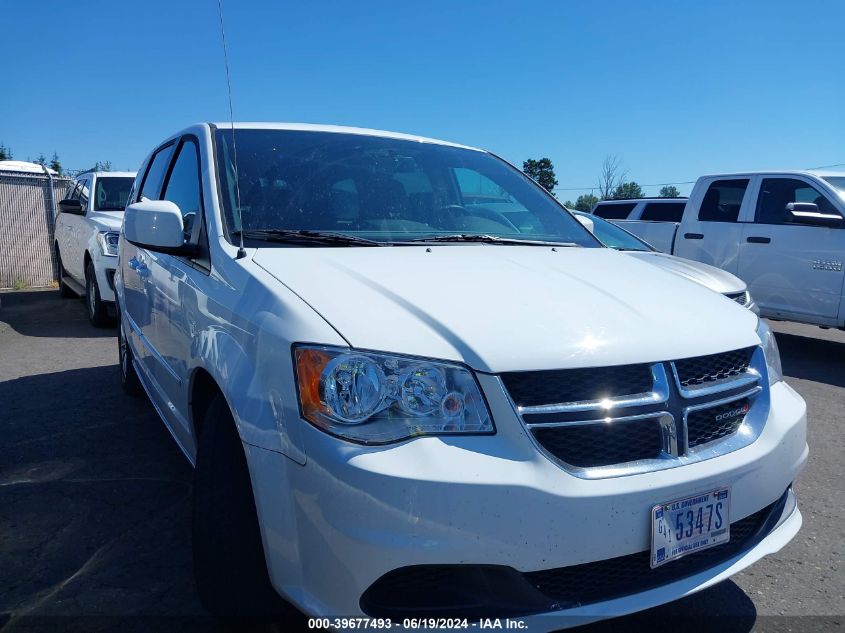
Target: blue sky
{"type": "Point", "coordinates": [675, 89]}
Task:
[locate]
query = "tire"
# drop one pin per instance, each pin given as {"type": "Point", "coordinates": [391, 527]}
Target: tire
{"type": "Point", "coordinates": [229, 565]}
{"type": "Point", "coordinates": [98, 313]}
{"type": "Point", "coordinates": [64, 291]}
{"type": "Point", "coordinates": [128, 377]}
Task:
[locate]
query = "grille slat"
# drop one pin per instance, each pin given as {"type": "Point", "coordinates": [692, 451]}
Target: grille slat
{"type": "Point", "coordinates": [534, 388]}
{"type": "Point", "coordinates": [693, 372]}
{"type": "Point", "coordinates": [740, 297]}
{"type": "Point", "coordinates": [591, 445]}
{"type": "Point", "coordinates": [703, 425]}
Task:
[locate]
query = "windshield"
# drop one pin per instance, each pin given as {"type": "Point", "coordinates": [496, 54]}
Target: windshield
{"type": "Point", "coordinates": [838, 183]}
{"type": "Point", "coordinates": [382, 189]}
{"type": "Point", "coordinates": [112, 192]}
{"type": "Point", "coordinates": [611, 235]}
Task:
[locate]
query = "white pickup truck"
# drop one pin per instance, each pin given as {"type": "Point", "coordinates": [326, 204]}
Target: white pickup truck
{"type": "Point", "coordinates": [86, 235]}
{"type": "Point", "coordinates": [780, 232]}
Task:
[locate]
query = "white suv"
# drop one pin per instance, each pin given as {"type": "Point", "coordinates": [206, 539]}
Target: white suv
{"type": "Point", "coordinates": [86, 238]}
{"type": "Point", "coordinates": [423, 388]}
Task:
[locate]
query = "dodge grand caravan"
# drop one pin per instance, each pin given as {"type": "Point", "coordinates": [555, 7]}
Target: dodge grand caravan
{"type": "Point", "coordinates": [421, 387]}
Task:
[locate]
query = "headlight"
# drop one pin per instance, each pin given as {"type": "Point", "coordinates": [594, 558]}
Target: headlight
{"type": "Point", "coordinates": [771, 351]}
{"type": "Point", "coordinates": [108, 241]}
{"type": "Point", "coordinates": [376, 398]}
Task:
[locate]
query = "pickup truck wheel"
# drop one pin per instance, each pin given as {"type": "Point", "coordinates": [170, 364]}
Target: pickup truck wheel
{"type": "Point", "coordinates": [128, 378]}
{"type": "Point", "coordinates": [229, 564]}
{"type": "Point", "coordinates": [64, 291]}
{"type": "Point", "coordinates": [98, 313]}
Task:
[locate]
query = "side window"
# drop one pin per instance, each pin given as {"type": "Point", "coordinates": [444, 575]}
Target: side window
{"type": "Point", "coordinates": [84, 192]}
{"type": "Point", "coordinates": [722, 201]}
{"type": "Point", "coordinates": [615, 211]}
{"type": "Point", "coordinates": [74, 193]}
{"type": "Point", "coordinates": [151, 185]}
{"type": "Point", "coordinates": [183, 187]}
{"type": "Point", "coordinates": [776, 193]}
{"type": "Point", "coordinates": [663, 211]}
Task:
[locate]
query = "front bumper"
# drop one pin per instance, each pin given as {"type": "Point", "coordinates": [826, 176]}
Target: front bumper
{"type": "Point", "coordinates": [353, 514]}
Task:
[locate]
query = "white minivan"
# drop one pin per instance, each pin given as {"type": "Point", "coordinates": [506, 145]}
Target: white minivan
{"type": "Point", "coordinates": [413, 385]}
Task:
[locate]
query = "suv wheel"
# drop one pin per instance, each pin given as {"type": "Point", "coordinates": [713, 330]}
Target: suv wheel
{"type": "Point", "coordinates": [98, 314]}
{"type": "Point", "coordinates": [128, 378]}
{"type": "Point", "coordinates": [64, 291]}
{"type": "Point", "coordinates": [229, 564]}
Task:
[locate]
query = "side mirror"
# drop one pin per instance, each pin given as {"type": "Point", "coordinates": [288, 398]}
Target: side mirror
{"type": "Point", "coordinates": [155, 225]}
{"type": "Point", "coordinates": [808, 213]}
{"type": "Point", "coordinates": [73, 207]}
{"type": "Point", "coordinates": [587, 222]}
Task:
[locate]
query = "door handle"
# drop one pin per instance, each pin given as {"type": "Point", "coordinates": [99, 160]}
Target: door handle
{"type": "Point", "coordinates": [694, 236]}
{"type": "Point", "coordinates": [754, 239]}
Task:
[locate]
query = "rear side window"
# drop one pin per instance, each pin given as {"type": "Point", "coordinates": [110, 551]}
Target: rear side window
{"type": "Point", "coordinates": [151, 187]}
{"type": "Point", "coordinates": [616, 211]}
{"type": "Point", "coordinates": [663, 211]}
{"type": "Point", "coordinates": [723, 200]}
{"type": "Point", "coordinates": [776, 193]}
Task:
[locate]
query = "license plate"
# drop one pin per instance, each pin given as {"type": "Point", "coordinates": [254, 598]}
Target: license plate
{"type": "Point", "coordinates": [689, 525]}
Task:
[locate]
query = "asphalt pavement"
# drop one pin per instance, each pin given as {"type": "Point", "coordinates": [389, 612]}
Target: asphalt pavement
{"type": "Point", "coordinates": [95, 496]}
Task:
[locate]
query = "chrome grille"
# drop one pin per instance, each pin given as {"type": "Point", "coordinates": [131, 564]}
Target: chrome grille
{"type": "Point", "coordinates": [609, 421]}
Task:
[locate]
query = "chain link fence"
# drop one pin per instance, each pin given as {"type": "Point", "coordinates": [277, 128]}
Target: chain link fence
{"type": "Point", "coordinates": [27, 204]}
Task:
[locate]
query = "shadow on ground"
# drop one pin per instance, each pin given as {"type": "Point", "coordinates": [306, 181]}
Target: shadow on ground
{"type": "Point", "coordinates": [42, 313]}
{"type": "Point", "coordinates": [815, 359]}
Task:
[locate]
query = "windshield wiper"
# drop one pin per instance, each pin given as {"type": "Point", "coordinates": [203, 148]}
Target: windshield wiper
{"type": "Point", "coordinates": [303, 235]}
{"type": "Point", "coordinates": [487, 239]}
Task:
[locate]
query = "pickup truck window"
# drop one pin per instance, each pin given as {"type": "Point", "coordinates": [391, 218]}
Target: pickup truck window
{"type": "Point", "coordinates": [663, 211]}
{"type": "Point", "coordinates": [837, 182]}
{"type": "Point", "coordinates": [776, 193]}
{"type": "Point", "coordinates": [615, 211]}
{"type": "Point", "coordinates": [151, 185]}
{"type": "Point", "coordinates": [723, 200]}
{"type": "Point", "coordinates": [383, 189]}
{"type": "Point", "coordinates": [112, 192]}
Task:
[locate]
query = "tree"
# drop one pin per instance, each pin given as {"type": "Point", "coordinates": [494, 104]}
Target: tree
{"type": "Point", "coordinates": [102, 166]}
{"type": "Point", "coordinates": [41, 160]}
{"type": "Point", "coordinates": [627, 191]}
{"type": "Point", "coordinates": [5, 152]}
{"type": "Point", "coordinates": [611, 176]}
{"type": "Point", "coordinates": [669, 191]}
{"type": "Point", "coordinates": [585, 202]}
{"type": "Point", "coordinates": [55, 165]}
{"type": "Point", "coordinates": [542, 171]}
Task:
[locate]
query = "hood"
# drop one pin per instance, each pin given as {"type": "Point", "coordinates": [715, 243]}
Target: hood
{"type": "Point", "coordinates": [508, 308]}
{"type": "Point", "coordinates": [708, 276]}
{"type": "Point", "coordinates": [107, 220]}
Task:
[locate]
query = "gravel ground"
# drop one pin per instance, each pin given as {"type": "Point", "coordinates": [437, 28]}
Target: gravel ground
{"type": "Point", "coordinates": [95, 495]}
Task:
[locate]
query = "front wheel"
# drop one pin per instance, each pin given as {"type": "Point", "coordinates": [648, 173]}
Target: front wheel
{"type": "Point", "coordinates": [229, 565]}
{"type": "Point", "coordinates": [98, 313]}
